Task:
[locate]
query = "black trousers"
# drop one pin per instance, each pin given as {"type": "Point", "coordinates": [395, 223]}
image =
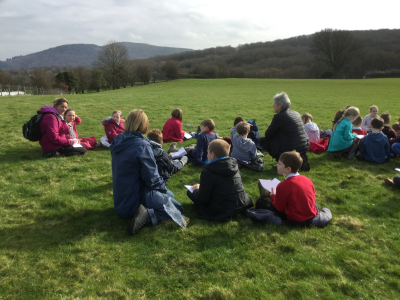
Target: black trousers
{"type": "Point", "coordinates": [396, 181]}
{"type": "Point", "coordinates": [69, 151]}
{"type": "Point", "coordinates": [266, 204]}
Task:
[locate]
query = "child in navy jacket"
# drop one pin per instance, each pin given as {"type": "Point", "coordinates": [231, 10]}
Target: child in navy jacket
{"type": "Point", "coordinates": [199, 154]}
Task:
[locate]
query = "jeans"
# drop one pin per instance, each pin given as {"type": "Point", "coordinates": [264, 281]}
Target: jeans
{"type": "Point", "coordinates": [158, 213]}
{"type": "Point", "coordinates": [396, 148]}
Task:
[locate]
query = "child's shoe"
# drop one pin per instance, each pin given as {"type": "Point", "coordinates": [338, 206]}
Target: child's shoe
{"type": "Point", "coordinates": [263, 192]}
{"type": "Point", "coordinates": [184, 160]}
{"type": "Point", "coordinates": [389, 182]}
{"type": "Point", "coordinates": [172, 148]}
{"type": "Point", "coordinates": [191, 147]}
{"type": "Point", "coordinates": [51, 154]}
{"type": "Point", "coordinates": [140, 217]}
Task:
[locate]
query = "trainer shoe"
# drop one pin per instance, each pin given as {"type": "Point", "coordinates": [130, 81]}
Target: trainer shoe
{"type": "Point", "coordinates": [140, 217]}
{"type": "Point", "coordinates": [184, 161]}
{"type": "Point", "coordinates": [172, 148]}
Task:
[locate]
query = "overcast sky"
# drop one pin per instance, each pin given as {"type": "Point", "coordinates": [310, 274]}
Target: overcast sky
{"type": "Point", "coordinates": [28, 26]}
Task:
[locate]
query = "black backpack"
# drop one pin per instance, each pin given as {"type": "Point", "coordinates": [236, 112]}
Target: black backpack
{"type": "Point", "coordinates": [31, 128]}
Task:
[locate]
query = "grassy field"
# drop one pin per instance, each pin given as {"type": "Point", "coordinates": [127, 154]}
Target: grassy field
{"type": "Point", "coordinates": [61, 239]}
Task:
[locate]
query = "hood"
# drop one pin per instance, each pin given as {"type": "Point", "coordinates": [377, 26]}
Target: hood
{"type": "Point", "coordinates": [127, 140]}
{"type": "Point", "coordinates": [48, 109]}
{"type": "Point", "coordinates": [157, 148]}
{"type": "Point", "coordinates": [311, 127]}
{"type": "Point", "coordinates": [377, 137]}
{"type": "Point", "coordinates": [242, 143]}
{"type": "Point", "coordinates": [226, 167]}
{"type": "Point", "coordinates": [111, 121]}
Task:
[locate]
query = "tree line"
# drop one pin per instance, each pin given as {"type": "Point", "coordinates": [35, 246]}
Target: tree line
{"type": "Point", "coordinates": [328, 53]}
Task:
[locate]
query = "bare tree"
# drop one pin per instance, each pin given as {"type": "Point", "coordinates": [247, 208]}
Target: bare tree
{"type": "Point", "coordinates": [335, 48]}
{"type": "Point", "coordinates": [83, 79]}
{"type": "Point", "coordinates": [42, 78]}
{"type": "Point", "coordinates": [112, 59]}
{"type": "Point", "coordinates": [143, 72]}
{"type": "Point", "coordinates": [170, 69]}
{"type": "Point", "coordinates": [98, 80]}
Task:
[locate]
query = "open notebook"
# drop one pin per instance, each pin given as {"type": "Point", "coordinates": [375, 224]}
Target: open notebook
{"type": "Point", "coordinates": [269, 184]}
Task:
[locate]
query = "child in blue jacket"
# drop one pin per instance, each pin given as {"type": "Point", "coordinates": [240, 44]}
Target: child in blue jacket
{"type": "Point", "coordinates": [199, 154]}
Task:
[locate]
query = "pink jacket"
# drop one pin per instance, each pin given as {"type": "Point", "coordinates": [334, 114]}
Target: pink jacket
{"type": "Point", "coordinates": [53, 129]}
{"type": "Point", "coordinates": [74, 123]}
{"type": "Point", "coordinates": [112, 129]}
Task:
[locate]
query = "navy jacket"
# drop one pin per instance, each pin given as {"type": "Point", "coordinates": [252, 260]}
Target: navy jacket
{"type": "Point", "coordinates": [375, 147]}
{"type": "Point", "coordinates": [164, 163]}
{"type": "Point", "coordinates": [135, 174]}
{"type": "Point", "coordinates": [221, 194]}
{"type": "Point", "coordinates": [199, 153]}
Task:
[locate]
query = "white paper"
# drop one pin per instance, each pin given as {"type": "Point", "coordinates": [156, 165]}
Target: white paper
{"type": "Point", "coordinates": [187, 136]}
{"type": "Point", "coordinates": [360, 136]}
{"type": "Point", "coordinates": [77, 145]}
{"type": "Point", "coordinates": [189, 187]}
{"type": "Point", "coordinates": [179, 154]}
{"type": "Point", "coordinates": [269, 184]}
{"type": "Point", "coordinates": [397, 169]}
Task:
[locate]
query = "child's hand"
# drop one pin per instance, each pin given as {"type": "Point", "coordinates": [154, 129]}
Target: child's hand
{"type": "Point", "coordinates": [195, 187]}
{"type": "Point", "coordinates": [74, 141]}
{"type": "Point", "coordinates": [272, 191]}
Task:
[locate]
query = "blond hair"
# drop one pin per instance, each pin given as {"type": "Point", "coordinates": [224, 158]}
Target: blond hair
{"type": "Point", "coordinates": [117, 112]}
{"type": "Point", "coordinates": [137, 121]}
{"type": "Point", "coordinates": [59, 101]}
{"type": "Point", "coordinates": [373, 106]}
{"type": "Point", "coordinates": [307, 117]}
{"type": "Point", "coordinates": [386, 117]}
{"type": "Point", "coordinates": [351, 111]}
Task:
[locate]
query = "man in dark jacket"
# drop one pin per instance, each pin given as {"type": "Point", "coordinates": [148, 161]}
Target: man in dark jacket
{"type": "Point", "coordinates": [286, 132]}
{"type": "Point", "coordinates": [221, 193]}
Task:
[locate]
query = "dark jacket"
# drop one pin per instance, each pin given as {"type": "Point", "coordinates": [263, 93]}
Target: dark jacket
{"type": "Point", "coordinates": [254, 133]}
{"type": "Point", "coordinates": [199, 153]}
{"type": "Point", "coordinates": [221, 194]}
{"type": "Point", "coordinates": [164, 163]}
{"type": "Point", "coordinates": [135, 175]}
{"type": "Point", "coordinates": [375, 147]}
{"type": "Point", "coordinates": [389, 132]}
{"type": "Point", "coordinates": [285, 133]}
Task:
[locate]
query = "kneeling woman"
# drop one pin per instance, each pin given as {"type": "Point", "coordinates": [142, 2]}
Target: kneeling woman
{"type": "Point", "coordinates": [138, 189]}
{"type": "Point", "coordinates": [54, 129]}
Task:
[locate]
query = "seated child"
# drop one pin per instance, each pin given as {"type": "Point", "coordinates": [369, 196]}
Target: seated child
{"type": "Point", "coordinates": [294, 199]}
{"type": "Point", "coordinates": [311, 128]}
{"type": "Point", "coordinates": [113, 126]}
{"type": "Point", "coordinates": [199, 154]}
{"type": "Point", "coordinates": [387, 130]}
{"type": "Point", "coordinates": [166, 166]}
{"type": "Point", "coordinates": [338, 116]}
{"type": "Point", "coordinates": [395, 143]}
{"type": "Point", "coordinates": [366, 123]}
{"type": "Point", "coordinates": [172, 130]}
{"type": "Point", "coordinates": [357, 127]}
{"type": "Point", "coordinates": [375, 147]}
{"type": "Point", "coordinates": [221, 193]}
{"type": "Point", "coordinates": [72, 120]}
{"type": "Point", "coordinates": [243, 148]}
{"type": "Point", "coordinates": [254, 133]}
{"type": "Point", "coordinates": [342, 139]}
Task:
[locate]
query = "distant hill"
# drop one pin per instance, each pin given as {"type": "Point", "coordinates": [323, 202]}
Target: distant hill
{"type": "Point", "coordinates": [81, 55]}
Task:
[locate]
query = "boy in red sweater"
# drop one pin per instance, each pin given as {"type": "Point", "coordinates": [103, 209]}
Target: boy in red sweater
{"type": "Point", "coordinates": [294, 199]}
{"type": "Point", "coordinates": [357, 129]}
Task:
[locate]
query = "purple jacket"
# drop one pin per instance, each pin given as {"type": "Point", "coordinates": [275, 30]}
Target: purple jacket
{"type": "Point", "coordinates": [53, 129]}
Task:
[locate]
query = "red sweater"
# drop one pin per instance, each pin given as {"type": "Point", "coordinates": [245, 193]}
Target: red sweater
{"type": "Point", "coordinates": [359, 131]}
{"type": "Point", "coordinates": [295, 196]}
{"type": "Point", "coordinates": [172, 131]}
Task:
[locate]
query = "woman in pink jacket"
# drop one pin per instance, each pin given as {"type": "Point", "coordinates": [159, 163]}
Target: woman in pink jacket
{"type": "Point", "coordinates": [72, 120]}
{"type": "Point", "coordinates": [54, 129]}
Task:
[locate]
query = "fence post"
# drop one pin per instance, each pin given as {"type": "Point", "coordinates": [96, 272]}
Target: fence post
{"type": "Point", "coordinates": [1, 91]}
{"type": "Point", "coordinates": [24, 91]}
{"type": "Point", "coordinates": [18, 90]}
{"type": "Point", "coordinates": [9, 90]}
{"type": "Point", "coordinates": [37, 92]}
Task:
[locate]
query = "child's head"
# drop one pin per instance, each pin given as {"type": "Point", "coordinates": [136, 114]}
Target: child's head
{"type": "Point", "coordinates": [289, 162]}
{"type": "Point", "coordinates": [396, 127]}
{"type": "Point", "coordinates": [207, 125]}
{"type": "Point", "coordinates": [238, 120]}
{"type": "Point", "coordinates": [306, 118]}
{"type": "Point", "coordinates": [386, 117]}
{"type": "Point", "coordinates": [338, 116]}
{"type": "Point", "coordinates": [373, 111]}
{"type": "Point", "coordinates": [137, 121]}
{"type": "Point", "coordinates": [177, 113]}
{"type": "Point", "coordinates": [69, 115]}
{"type": "Point", "coordinates": [351, 113]}
{"type": "Point", "coordinates": [116, 116]}
{"type": "Point", "coordinates": [357, 122]}
{"type": "Point", "coordinates": [377, 123]}
{"type": "Point", "coordinates": [217, 148]}
{"type": "Point", "coordinates": [243, 128]}
{"type": "Point", "coordinates": [155, 135]}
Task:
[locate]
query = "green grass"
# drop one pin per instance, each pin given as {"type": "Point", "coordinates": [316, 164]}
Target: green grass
{"type": "Point", "coordinates": [61, 239]}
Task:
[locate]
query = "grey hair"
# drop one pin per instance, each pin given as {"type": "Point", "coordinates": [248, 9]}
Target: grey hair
{"type": "Point", "coordinates": [282, 98]}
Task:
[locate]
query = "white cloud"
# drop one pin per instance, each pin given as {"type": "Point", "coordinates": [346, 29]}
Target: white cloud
{"type": "Point", "coordinates": [31, 26]}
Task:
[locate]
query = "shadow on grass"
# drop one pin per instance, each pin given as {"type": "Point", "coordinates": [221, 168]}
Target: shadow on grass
{"type": "Point", "coordinates": [13, 155]}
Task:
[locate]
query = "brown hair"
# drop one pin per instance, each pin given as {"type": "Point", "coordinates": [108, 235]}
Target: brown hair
{"type": "Point", "coordinates": [67, 111]}
{"type": "Point", "coordinates": [386, 117]}
{"type": "Point", "coordinates": [338, 115]}
{"type": "Point", "coordinates": [377, 123]}
{"type": "Point", "coordinates": [243, 128]}
{"type": "Point", "coordinates": [373, 106]}
{"type": "Point", "coordinates": [117, 112]}
{"type": "Point", "coordinates": [396, 126]}
{"type": "Point", "coordinates": [137, 121]}
{"type": "Point", "coordinates": [219, 147]}
{"type": "Point", "coordinates": [238, 120]}
{"type": "Point", "coordinates": [59, 101]}
{"type": "Point", "coordinates": [177, 113]}
{"type": "Point", "coordinates": [306, 117]}
{"type": "Point", "coordinates": [155, 135]}
{"type": "Point", "coordinates": [357, 121]}
{"type": "Point", "coordinates": [209, 123]}
{"type": "Point", "coordinates": [291, 159]}
{"type": "Point", "coordinates": [351, 111]}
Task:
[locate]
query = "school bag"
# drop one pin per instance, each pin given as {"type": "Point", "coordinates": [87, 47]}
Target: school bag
{"type": "Point", "coordinates": [31, 128]}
